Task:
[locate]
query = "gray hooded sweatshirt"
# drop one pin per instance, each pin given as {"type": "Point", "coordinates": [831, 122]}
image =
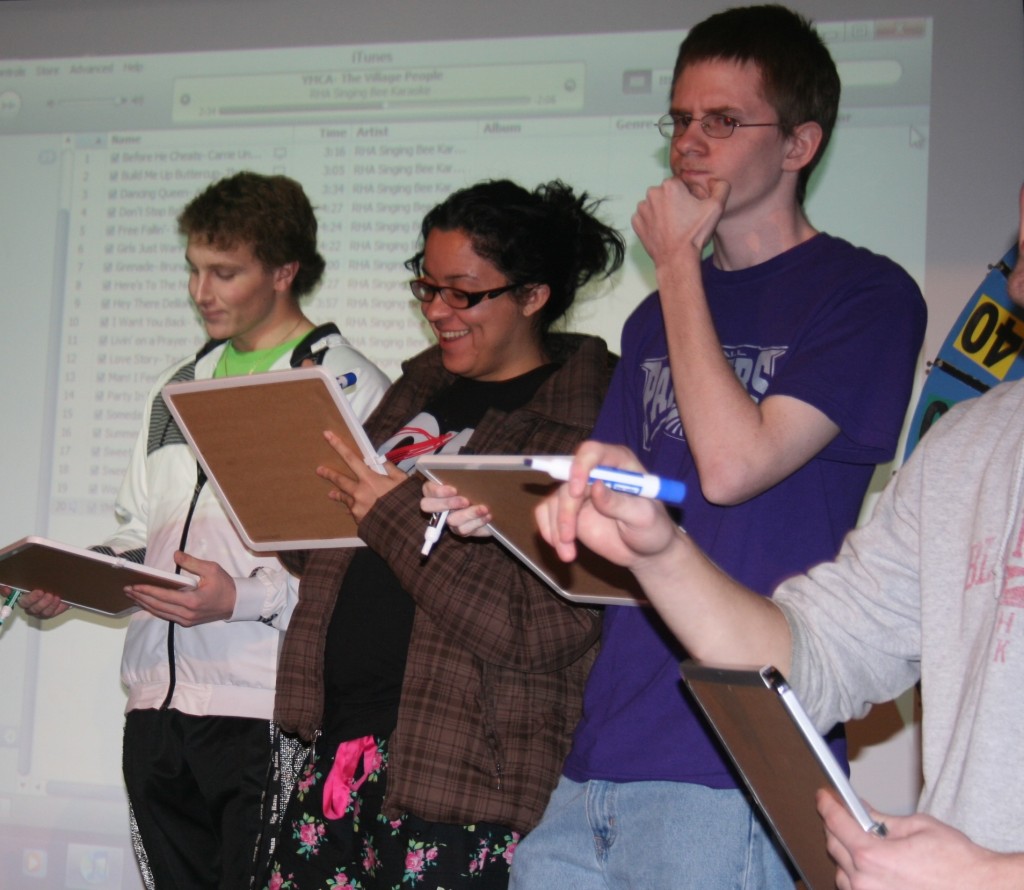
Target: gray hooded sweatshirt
{"type": "Point", "coordinates": [932, 589]}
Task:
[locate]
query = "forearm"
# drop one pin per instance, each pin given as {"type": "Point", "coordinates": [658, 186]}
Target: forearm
{"type": "Point", "coordinates": [717, 619]}
{"type": "Point", "coordinates": [717, 414]}
{"type": "Point", "coordinates": [741, 447]}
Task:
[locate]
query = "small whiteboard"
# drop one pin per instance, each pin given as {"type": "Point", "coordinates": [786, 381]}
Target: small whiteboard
{"type": "Point", "coordinates": [83, 578]}
{"type": "Point", "coordinates": [781, 756]}
{"type": "Point", "coordinates": [259, 440]}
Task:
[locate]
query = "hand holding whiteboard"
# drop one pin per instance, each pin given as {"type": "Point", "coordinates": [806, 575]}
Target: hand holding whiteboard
{"type": "Point", "coordinates": [512, 488]}
{"type": "Point", "coordinates": [83, 578]}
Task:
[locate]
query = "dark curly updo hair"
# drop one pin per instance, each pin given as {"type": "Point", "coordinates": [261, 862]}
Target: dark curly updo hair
{"type": "Point", "coordinates": [546, 236]}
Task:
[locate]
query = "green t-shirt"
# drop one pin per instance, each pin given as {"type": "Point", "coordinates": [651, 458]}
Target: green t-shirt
{"type": "Point", "coordinates": [233, 363]}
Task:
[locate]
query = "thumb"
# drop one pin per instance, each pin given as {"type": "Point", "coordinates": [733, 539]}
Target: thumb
{"type": "Point", "coordinates": [719, 190]}
{"type": "Point", "coordinates": [192, 564]}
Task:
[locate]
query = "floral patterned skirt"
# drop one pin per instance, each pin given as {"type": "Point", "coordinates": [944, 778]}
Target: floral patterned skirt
{"type": "Point", "coordinates": [353, 845]}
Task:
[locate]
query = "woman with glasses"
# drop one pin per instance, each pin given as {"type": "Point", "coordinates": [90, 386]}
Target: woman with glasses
{"type": "Point", "coordinates": [441, 693]}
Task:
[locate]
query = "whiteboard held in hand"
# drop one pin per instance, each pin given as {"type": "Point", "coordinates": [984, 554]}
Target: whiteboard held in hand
{"type": "Point", "coordinates": [781, 756]}
{"type": "Point", "coordinates": [259, 439]}
{"type": "Point", "coordinates": [512, 489]}
{"type": "Point", "coordinates": [83, 578]}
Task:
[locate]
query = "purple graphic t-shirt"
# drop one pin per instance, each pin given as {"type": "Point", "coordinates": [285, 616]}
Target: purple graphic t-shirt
{"type": "Point", "coordinates": [827, 323]}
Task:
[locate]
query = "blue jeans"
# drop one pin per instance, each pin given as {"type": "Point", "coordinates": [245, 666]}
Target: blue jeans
{"type": "Point", "coordinates": [648, 836]}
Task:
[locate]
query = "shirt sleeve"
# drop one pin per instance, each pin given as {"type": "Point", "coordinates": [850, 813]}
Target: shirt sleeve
{"type": "Point", "coordinates": [856, 622]}
{"type": "Point", "coordinates": [856, 361]}
{"type": "Point", "coordinates": [370, 381]}
{"type": "Point", "coordinates": [267, 595]}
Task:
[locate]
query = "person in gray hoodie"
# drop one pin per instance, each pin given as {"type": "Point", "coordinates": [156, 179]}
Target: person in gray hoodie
{"type": "Point", "coordinates": [930, 590]}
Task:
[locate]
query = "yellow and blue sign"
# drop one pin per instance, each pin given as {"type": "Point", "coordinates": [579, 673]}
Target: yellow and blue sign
{"type": "Point", "coordinates": [982, 349]}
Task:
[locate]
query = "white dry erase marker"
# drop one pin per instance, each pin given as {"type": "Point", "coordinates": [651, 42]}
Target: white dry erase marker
{"type": "Point", "coordinates": [645, 485]}
{"type": "Point", "coordinates": [433, 532]}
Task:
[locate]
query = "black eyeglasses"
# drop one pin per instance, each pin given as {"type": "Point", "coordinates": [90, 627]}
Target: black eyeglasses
{"type": "Point", "coordinates": [715, 125]}
{"type": "Point", "coordinates": [457, 299]}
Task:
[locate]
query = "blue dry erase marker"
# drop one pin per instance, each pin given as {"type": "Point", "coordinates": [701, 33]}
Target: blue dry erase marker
{"type": "Point", "coordinates": [346, 380]}
{"type": "Point", "coordinates": [645, 485]}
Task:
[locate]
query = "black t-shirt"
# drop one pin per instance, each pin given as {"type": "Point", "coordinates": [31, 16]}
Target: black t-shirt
{"type": "Point", "coordinates": [368, 637]}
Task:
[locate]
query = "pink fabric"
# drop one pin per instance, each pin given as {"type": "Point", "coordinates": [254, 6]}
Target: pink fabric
{"type": "Point", "coordinates": [340, 781]}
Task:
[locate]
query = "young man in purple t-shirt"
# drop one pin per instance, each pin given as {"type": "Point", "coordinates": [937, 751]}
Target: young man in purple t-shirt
{"type": "Point", "coordinates": [771, 377]}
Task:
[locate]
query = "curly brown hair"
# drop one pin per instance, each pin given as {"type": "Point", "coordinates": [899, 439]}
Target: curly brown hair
{"type": "Point", "coordinates": [269, 214]}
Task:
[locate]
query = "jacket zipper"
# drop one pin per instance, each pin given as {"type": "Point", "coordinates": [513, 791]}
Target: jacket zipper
{"type": "Point", "coordinates": [490, 729]}
{"type": "Point", "coordinates": [172, 672]}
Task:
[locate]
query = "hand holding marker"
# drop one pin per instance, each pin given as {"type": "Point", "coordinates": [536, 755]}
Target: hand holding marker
{"type": "Point", "coordinates": [643, 485]}
{"type": "Point", "coordinates": [8, 607]}
{"type": "Point", "coordinates": [433, 532]}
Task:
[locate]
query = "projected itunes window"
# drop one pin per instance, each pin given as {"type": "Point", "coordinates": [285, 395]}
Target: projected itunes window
{"type": "Point", "coordinates": [101, 154]}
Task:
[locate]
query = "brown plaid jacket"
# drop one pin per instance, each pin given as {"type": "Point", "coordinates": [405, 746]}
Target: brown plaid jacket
{"type": "Point", "coordinates": [497, 662]}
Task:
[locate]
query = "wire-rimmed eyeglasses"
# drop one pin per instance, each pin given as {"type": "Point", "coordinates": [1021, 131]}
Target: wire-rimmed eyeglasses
{"type": "Point", "coordinates": [457, 299]}
{"type": "Point", "coordinates": [715, 125]}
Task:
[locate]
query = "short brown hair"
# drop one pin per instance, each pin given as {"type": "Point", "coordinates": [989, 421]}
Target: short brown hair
{"type": "Point", "coordinates": [269, 214]}
{"type": "Point", "coordinates": [798, 73]}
